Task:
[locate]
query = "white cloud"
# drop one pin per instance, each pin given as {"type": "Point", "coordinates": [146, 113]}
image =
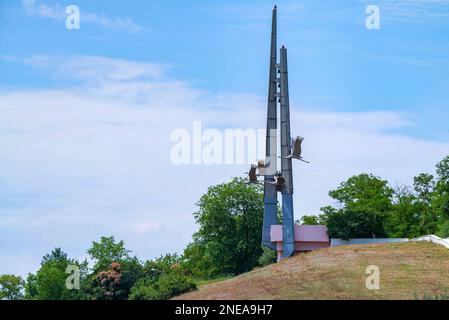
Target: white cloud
{"type": "Point", "coordinates": [93, 160]}
{"type": "Point", "coordinates": [57, 12]}
{"type": "Point", "coordinates": [111, 23]}
{"type": "Point", "coordinates": [92, 68]}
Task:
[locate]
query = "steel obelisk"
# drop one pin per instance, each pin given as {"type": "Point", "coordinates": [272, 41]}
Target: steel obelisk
{"type": "Point", "coordinates": [270, 192]}
{"type": "Point", "coordinates": [286, 163]}
{"type": "Point", "coordinates": [272, 178]}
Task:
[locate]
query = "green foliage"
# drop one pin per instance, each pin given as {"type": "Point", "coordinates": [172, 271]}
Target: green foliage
{"type": "Point", "coordinates": [413, 212]}
{"type": "Point", "coordinates": [443, 229]}
{"type": "Point", "coordinates": [267, 257]}
{"type": "Point", "coordinates": [404, 219]}
{"type": "Point", "coordinates": [173, 284]}
{"type": "Point", "coordinates": [31, 288]}
{"type": "Point", "coordinates": [115, 272]}
{"type": "Point", "coordinates": [424, 208]}
{"type": "Point", "coordinates": [228, 240]}
{"type": "Point", "coordinates": [49, 283]}
{"type": "Point", "coordinates": [442, 169]}
{"type": "Point", "coordinates": [198, 260]}
{"type": "Point", "coordinates": [424, 186]}
{"type": "Point", "coordinates": [11, 287]}
{"type": "Point", "coordinates": [107, 251]}
{"type": "Point", "coordinates": [144, 289]}
{"type": "Point", "coordinates": [441, 199]}
{"type": "Point", "coordinates": [161, 278]}
{"type": "Point", "coordinates": [369, 207]}
{"type": "Point", "coordinates": [309, 220]}
{"type": "Point", "coordinates": [424, 192]}
{"type": "Point", "coordinates": [161, 265]}
{"type": "Point", "coordinates": [164, 287]}
{"type": "Point", "coordinates": [362, 192]}
{"type": "Point", "coordinates": [365, 201]}
{"type": "Point", "coordinates": [132, 271]}
{"type": "Point", "coordinates": [164, 278]}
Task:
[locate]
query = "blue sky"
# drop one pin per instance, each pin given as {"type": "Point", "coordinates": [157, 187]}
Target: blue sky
{"type": "Point", "coordinates": [336, 63]}
{"type": "Point", "coordinates": [85, 115]}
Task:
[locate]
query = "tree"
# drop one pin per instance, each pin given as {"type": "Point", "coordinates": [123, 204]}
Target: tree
{"type": "Point", "coordinates": [442, 169]}
{"type": "Point", "coordinates": [365, 202]}
{"type": "Point", "coordinates": [164, 264]}
{"type": "Point", "coordinates": [404, 219]}
{"type": "Point", "coordinates": [309, 220]}
{"type": "Point", "coordinates": [49, 283]}
{"type": "Point", "coordinates": [11, 287]}
{"type": "Point", "coordinates": [425, 193]}
{"type": "Point", "coordinates": [197, 259]}
{"type": "Point", "coordinates": [228, 240]}
{"type": "Point", "coordinates": [164, 277]}
{"type": "Point", "coordinates": [423, 209]}
{"type": "Point", "coordinates": [107, 251]}
{"type": "Point", "coordinates": [31, 288]}
{"type": "Point", "coordinates": [424, 186]}
{"type": "Point", "coordinates": [109, 284]}
{"type": "Point", "coordinates": [115, 272]}
{"type": "Point", "coordinates": [362, 191]}
{"type": "Point", "coordinates": [441, 200]}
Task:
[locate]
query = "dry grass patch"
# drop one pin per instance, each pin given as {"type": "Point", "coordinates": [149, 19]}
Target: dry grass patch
{"type": "Point", "coordinates": [407, 270]}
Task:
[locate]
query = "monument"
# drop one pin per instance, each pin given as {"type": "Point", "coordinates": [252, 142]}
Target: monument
{"type": "Point", "coordinates": [286, 240]}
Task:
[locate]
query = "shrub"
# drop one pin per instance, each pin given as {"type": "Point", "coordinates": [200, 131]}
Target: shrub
{"type": "Point", "coordinates": [267, 257]}
{"type": "Point", "coordinates": [165, 287]}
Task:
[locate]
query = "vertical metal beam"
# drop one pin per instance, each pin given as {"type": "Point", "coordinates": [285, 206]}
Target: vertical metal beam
{"type": "Point", "coordinates": [286, 164]}
{"type": "Point", "coordinates": [270, 193]}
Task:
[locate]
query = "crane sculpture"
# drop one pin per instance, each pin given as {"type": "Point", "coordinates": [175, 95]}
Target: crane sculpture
{"type": "Point", "coordinates": [297, 149]}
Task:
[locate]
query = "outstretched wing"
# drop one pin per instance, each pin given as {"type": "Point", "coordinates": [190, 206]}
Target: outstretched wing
{"type": "Point", "coordinates": [297, 147]}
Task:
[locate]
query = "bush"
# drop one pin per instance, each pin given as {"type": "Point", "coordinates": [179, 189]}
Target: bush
{"type": "Point", "coordinates": [174, 284]}
{"type": "Point", "coordinates": [267, 257]}
{"type": "Point", "coordinates": [165, 287]}
{"type": "Point", "coordinates": [144, 290]}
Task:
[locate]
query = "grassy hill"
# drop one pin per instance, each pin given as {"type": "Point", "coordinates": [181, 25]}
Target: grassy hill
{"type": "Point", "coordinates": [408, 270]}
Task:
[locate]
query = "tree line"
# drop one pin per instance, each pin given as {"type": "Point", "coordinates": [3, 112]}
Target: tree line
{"type": "Point", "coordinates": [368, 207]}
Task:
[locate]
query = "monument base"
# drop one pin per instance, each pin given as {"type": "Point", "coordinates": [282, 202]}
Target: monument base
{"type": "Point", "coordinates": [307, 238]}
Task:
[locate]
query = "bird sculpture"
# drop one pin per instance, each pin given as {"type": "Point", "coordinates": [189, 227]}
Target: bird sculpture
{"type": "Point", "coordinates": [297, 150]}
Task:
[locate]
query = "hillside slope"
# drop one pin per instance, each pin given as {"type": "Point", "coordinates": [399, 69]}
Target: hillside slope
{"type": "Point", "coordinates": [407, 270]}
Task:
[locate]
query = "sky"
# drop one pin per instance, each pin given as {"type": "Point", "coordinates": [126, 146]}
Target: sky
{"type": "Point", "coordinates": [86, 115]}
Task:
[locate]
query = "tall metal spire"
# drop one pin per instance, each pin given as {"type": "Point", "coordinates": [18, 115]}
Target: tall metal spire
{"type": "Point", "coordinates": [270, 192]}
{"type": "Point", "coordinates": [286, 162]}
{"type": "Point", "coordinates": [272, 182]}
